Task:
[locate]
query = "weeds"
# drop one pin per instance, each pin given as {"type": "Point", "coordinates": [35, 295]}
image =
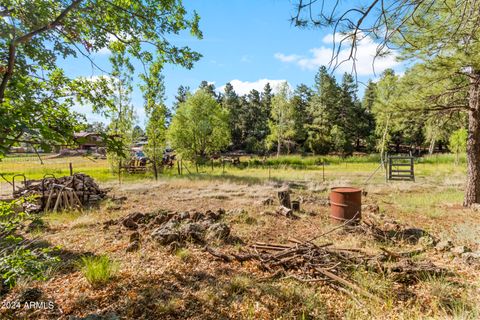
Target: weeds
{"type": "Point", "coordinates": [239, 285]}
{"type": "Point", "coordinates": [184, 254]}
{"type": "Point", "coordinates": [98, 269]}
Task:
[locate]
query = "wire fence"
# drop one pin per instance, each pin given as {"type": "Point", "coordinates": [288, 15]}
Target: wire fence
{"type": "Point", "coordinates": [36, 167]}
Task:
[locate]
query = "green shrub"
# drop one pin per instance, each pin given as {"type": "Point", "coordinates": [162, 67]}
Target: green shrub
{"type": "Point", "coordinates": [17, 259]}
{"type": "Point", "coordinates": [98, 269]}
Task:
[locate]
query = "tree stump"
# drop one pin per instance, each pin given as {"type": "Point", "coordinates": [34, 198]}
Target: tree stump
{"type": "Point", "coordinates": [296, 205]}
{"type": "Point", "coordinates": [284, 198]}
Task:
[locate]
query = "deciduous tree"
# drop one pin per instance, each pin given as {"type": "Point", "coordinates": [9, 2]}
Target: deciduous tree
{"type": "Point", "coordinates": [199, 127]}
{"type": "Point", "coordinates": [36, 95]}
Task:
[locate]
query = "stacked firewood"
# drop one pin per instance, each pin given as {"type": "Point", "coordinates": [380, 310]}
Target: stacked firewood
{"type": "Point", "coordinates": [69, 192]}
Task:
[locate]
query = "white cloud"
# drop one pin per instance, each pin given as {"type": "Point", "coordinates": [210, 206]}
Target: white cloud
{"type": "Point", "coordinates": [364, 57]}
{"type": "Point", "coordinates": [328, 39]}
{"type": "Point", "coordinates": [244, 87]}
{"type": "Point", "coordinates": [286, 58]}
{"type": "Point", "coordinates": [245, 58]}
{"type": "Point", "coordinates": [104, 51]}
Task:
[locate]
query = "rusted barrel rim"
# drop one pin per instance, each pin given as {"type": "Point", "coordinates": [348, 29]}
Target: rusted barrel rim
{"type": "Point", "coordinates": [345, 189]}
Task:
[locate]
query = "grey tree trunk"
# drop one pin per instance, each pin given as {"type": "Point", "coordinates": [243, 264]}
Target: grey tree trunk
{"type": "Point", "coordinates": [472, 188]}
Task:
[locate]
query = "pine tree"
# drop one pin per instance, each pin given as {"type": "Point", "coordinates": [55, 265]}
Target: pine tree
{"type": "Point", "coordinates": [321, 112]}
{"type": "Point", "coordinates": [301, 98]}
{"type": "Point", "coordinates": [231, 102]}
{"type": "Point", "coordinates": [182, 93]}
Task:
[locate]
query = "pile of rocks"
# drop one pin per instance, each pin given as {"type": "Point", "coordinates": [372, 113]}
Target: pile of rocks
{"type": "Point", "coordinates": [449, 249]}
{"type": "Point", "coordinates": [175, 229]}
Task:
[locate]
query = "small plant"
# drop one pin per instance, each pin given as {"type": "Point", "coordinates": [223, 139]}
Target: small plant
{"type": "Point", "coordinates": [184, 254]}
{"type": "Point", "coordinates": [17, 259]}
{"type": "Point", "coordinates": [239, 284]}
{"type": "Point", "coordinates": [98, 269]}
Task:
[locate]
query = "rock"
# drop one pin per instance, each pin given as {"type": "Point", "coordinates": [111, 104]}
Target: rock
{"type": "Point", "coordinates": [174, 246]}
{"type": "Point", "coordinates": [135, 236]}
{"type": "Point", "coordinates": [160, 219]}
{"type": "Point", "coordinates": [184, 215]}
{"type": "Point", "coordinates": [134, 246]}
{"type": "Point", "coordinates": [172, 216]}
{"type": "Point", "coordinates": [129, 223]}
{"type": "Point", "coordinates": [221, 211]}
{"type": "Point", "coordinates": [136, 216]}
{"type": "Point", "coordinates": [458, 250]}
{"type": "Point", "coordinates": [471, 257]}
{"type": "Point", "coordinates": [371, 208]}
{"type": "Point", "coordinates": [193, 231]}
{"type": "Point", "coordinates": [475, 207]}
{"type": "Point", "coordinates": [411, 235]}
{"type": "Point", "coordinates": [214, 216]}
{"type": "Point", "coordinates": [444, 245]}
{"type": "Point", "coordinates": [219, 231]}
{"type": "Point", "coordinates": [165, 235]}
{"type": "Point", "coordinates": [196, 216]}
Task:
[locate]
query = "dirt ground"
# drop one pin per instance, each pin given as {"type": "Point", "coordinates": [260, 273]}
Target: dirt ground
{"type": "Point", "coordinates": [156, 282]}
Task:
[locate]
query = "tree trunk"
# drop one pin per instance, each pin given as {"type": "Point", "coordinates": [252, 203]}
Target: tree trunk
{"type": "Point", "coordinates": [472, 188]}
{"type": "Point", "coordinates": [279, 147]}
{"type": "Point", "coordinates": [431, 148]}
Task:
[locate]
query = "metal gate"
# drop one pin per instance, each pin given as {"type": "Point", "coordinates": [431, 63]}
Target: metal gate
{"type": "Point", "coordinates": [400, 168]}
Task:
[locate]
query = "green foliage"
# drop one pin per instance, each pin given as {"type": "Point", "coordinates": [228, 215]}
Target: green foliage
{"type": "Point", "coordinates": [458, 142]}
{"type": "Point", "coordinates": [98, 270]}
{"type": "Point", "coordinates": [36, 96]}
{"type": "Point", "coordinates": [121, 113]}
{"type": "Point", "coordinates": [200, 127]}
{"type": "Point", "coordinates": [248, 118]}
{"type": "Point", "coordinates": [282, 123]}
{"type": "Point", "coordinates": [154, 97]}
{"type": "Point", "coordinates": [17, 259]}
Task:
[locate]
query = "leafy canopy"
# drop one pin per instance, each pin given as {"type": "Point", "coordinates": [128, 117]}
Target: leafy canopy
{"type": "Point", "coordinates": [199, 127]}
{"type": "Point", "coordinates": [36, 95]}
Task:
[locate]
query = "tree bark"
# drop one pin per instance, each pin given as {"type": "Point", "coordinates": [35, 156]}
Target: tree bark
{"type": "Point", "coordinates": [472, 188]}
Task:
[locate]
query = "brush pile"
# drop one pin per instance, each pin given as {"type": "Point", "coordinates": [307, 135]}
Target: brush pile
{"type": "Point", "coordinates": [67, 192]}
{"type": "Point", "coordinates": [309, 262]}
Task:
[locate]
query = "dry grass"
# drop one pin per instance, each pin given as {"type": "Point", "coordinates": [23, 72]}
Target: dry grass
{"type": "Point", "coordinates": [188, 283]}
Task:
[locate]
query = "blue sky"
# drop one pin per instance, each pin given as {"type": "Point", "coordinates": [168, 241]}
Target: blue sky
{"type": "Point", "coordinates": [247, 43]}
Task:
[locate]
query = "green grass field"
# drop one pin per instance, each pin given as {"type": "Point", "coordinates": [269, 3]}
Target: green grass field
{"type": "Point", "coordinates": [293, 167]}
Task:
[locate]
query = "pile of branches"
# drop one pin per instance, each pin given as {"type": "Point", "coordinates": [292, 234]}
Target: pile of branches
{"type": "Point", "coordinates": [78, 189]}
{"type": "Point", "coordinates": [308, 262]}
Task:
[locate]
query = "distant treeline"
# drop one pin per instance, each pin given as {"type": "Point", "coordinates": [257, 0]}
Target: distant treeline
{"type": "Point", "coordinates": [328, 117]}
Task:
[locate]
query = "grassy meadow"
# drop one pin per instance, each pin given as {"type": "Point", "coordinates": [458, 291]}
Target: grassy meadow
{"type": "Point", "coordinates": [176, 283]}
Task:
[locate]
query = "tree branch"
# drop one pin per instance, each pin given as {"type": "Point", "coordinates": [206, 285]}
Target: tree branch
{"type": "Point", "coordinates": [25, 38]}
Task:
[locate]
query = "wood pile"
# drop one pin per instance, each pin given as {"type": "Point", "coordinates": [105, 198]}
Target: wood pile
{"type": "Point", "coordinates": [69, 192]}
{"type": "Point", "coordinates": [309, 262]}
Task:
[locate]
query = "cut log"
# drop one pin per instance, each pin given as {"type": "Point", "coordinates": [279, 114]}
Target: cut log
{"type": "Point", "coordinates": [287, 212]}
{"type": "Point", "coordinates": [284, 198]}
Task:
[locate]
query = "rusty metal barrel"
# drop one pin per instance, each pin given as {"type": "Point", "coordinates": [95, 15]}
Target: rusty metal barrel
{"type": "Point", "coordinates": [346, 204]}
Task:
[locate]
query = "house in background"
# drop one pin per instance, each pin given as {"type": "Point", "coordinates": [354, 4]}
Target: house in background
{"type": "Point", "coordinates": [89, 141]}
